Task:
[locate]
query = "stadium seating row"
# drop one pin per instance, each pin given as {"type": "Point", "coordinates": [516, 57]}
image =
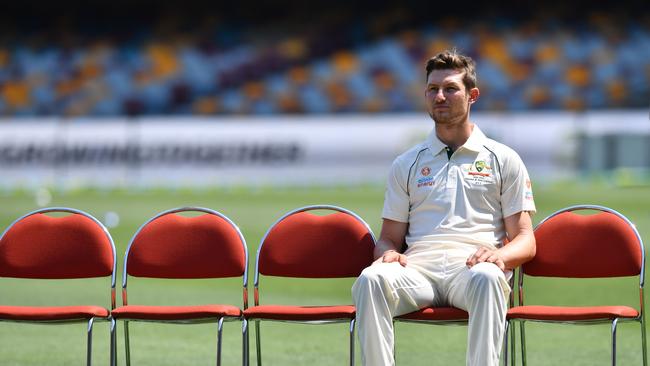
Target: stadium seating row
{"type": "Point", "coordinates": [602, 62]}
{"type": "Point", "coordinates": [311, 242]}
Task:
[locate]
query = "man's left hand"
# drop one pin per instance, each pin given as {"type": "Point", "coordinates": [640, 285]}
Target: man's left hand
{"type": "Point", "coordinates": [486, 255]}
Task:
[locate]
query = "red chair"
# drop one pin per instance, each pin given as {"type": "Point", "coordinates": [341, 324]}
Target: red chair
{"type": "Point", "coordinates": [75, 246]}
{"type": "Point", "coordinates": [302, 244]}
{"type": "Point", "coordinates": [436, 315]}
{"type": "Point", "coordinates": [173, 246]}
{"type": "Point", "coordinates": [570, 245]}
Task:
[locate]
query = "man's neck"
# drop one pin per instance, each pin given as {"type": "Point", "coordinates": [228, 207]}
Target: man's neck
{"type": "Point", "coordinates": [454, 136]}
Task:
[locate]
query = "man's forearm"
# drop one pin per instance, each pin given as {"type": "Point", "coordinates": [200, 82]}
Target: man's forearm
{"type": "Point", "coordinates": [520, 250]}
{"type": "Point", "coordinates": [522, 246]}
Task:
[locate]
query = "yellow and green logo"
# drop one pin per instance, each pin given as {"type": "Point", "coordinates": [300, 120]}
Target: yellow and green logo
{"type": "Point", "coordinates": [480, 165]}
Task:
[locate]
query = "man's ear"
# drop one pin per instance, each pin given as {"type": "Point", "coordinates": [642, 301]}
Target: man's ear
{"type": "Point", "coordinates": [473, 95]}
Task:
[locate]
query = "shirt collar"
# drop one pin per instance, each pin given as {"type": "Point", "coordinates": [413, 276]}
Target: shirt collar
{"type": "Point", "coordinates": [475, 141]}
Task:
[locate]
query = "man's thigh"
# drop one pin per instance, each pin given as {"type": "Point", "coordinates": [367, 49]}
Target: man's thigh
{"type": "Point", "coordinates": [405, 287]}
{"type": "Point", "coordinates": [456, 287]}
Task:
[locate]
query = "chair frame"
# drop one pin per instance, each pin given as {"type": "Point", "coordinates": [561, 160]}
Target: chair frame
{"type": "Point", "coordinates": [219, 321]}
{"type": "Point", "coordinates": [92, 320]}
{"type": "Point", "coordinates": [257, 281]}
{"type": "Point", "coordinates": [640, 318]}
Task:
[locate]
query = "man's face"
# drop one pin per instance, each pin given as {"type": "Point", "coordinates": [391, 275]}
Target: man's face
{"type": "Point", "coordinates": [446, 97]}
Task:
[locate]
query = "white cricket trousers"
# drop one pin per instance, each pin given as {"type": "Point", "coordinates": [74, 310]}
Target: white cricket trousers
{"type": "Point", "coordinates": [434, 275]}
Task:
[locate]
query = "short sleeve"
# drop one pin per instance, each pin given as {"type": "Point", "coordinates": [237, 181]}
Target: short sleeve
{"type": "Point", "coordinates": [396, 199]}
{"type": "Point", "coordinates": [516, 189]}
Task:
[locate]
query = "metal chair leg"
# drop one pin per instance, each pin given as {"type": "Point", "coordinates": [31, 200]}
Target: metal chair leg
{"type": "Point", "coordinates": [644, 349]}
{"type": "Point", "coordinates": [113, 347]}
{"type": "Point", "coordinates": [89, 350]}
{"type": "Point", "coordinates": [614, 324]}
{"type": "Point", "coordinates": [513, 343]}
{"type": "Point", "coordinates": [505, 343]}
{"type": "Point", "coordinates": [258, 343]}
{"type": "Point", "coordinates": [245, 343]}
{"type": "Point", "coordinates": [523, 342]}
{"type": "Point", "coordinates": [352, 323]}
{"type": "Point", "coordinates": [127, 346]}
{"type": "Point", "coordinates": [219, 336]}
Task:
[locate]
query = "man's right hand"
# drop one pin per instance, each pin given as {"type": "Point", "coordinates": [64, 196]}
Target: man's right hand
{"type": "Point", "coordinates": [391, 238]}
{"type": "Point", "coordinates": [390, 256]}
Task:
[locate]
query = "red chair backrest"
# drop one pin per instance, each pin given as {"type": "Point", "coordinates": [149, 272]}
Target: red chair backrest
{"type": "Point", "coordinates": [175, 246]}
{"type": "Point", "coordinates": [306, 245]}
{"type": "Point", "coordinates": [48, 247]}
{"type": "Point", "coordinates": [585, 246]}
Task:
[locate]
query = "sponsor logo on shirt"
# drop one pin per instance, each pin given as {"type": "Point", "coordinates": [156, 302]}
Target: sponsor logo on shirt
{"type": "Point", "coordinates": [480, 168]}
{"type": "Point", "coordinates": [478, 173]}
{"type": "Point", "coordinates": [425, 180]}
{"type": "Point", "coordinates": [528, 194]}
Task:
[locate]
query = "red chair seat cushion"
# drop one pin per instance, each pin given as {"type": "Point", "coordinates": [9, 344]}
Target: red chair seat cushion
{"type": "Point", "coordinates": [52, 313]}
{"type": "Point", "coordinates": [300, 313]}
{"type": "Point", "coordinates": [175, 313]}
{"type": "Point", "coordinates": [571, 313]}
{"type": "Point", "coordinates": [436, 314]}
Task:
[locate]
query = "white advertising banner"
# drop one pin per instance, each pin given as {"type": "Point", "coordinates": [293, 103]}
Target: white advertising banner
{"type": "Point", "coordinates": [287, 150]}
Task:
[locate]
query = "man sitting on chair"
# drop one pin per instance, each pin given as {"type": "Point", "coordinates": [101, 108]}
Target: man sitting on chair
{"type": "Point", "coordinates": [451, 201]}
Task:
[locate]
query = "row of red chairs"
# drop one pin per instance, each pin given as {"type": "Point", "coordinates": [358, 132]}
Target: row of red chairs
{"type": "Point", "coordinates": [304, 243]}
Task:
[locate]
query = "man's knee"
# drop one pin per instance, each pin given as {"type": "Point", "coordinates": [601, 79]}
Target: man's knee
{"type": "Point", "coordinates": [485, 273]}
{"type": "Point", "coordinates": [487, 287]}
{"type": "Point", "coordinates": [371, 279]}
{"type": "Point", "coordinates": [368, 277]}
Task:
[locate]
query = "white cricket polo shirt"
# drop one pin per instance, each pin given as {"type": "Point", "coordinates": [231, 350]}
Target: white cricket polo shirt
{"type": "Point", "coordinates": [462, 199]}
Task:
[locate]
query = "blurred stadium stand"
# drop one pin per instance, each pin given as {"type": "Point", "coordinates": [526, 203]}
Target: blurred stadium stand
{"type": "Point", "coordinates": [315, 57]}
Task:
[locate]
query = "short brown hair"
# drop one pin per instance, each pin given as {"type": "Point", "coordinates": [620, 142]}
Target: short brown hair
{"type": "Point", "coordinates": [451, 60]}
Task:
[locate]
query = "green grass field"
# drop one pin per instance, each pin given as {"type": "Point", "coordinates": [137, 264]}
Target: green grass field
{"type": "Point", "coordinates": [289, 344]}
